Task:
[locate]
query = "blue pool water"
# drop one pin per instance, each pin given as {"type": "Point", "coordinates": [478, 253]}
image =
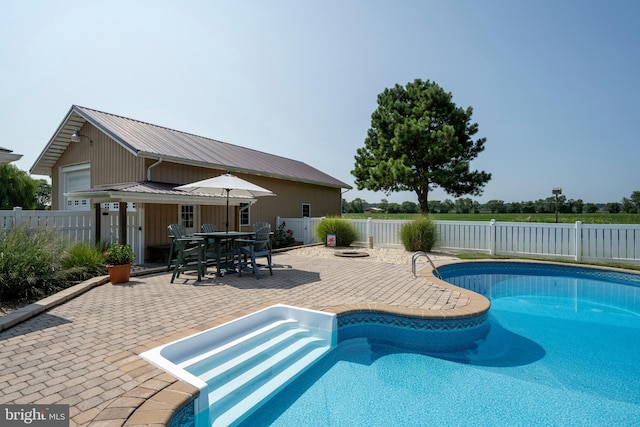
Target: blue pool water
{"type": "Point", "coordinates": [563, 348]}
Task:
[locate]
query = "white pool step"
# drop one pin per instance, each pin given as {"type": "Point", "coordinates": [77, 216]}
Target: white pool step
{"type": "Point", "coordinates": [238, 365]}
{"type": "Point", "coordinates": [249, 403]}
{"type": "Point", "coordinates": [226, 385]}
{"type": "Point", "coordinates": [244, 373]}
{"type": "Point", "coordinates": [260, 351]}
{"type": "Point", "coordinates": [235, 344]}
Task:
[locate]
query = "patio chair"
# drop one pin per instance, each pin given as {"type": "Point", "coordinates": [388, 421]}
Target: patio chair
{"type": "Point", "coordinates": [259, 225]}
{"type": "Point", "coordinates": [209, 228]}
{"type": "Point", "coordinates": [250, 250]}
{"type": "Point", "coordinates": [176, 231]}
{"type": "Point", "coordinates": [190, 257]}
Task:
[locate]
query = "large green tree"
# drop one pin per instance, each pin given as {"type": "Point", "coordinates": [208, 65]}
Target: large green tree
{"type": "Point", "coordinates": [420, 140]}
{"type": "Point", "coordinates": [43, 194]}
{"type": "Point", "coordinates": [17, 188]}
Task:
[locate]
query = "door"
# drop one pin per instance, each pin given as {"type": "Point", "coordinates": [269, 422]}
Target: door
{"type": "Point", "coordinates": [189, 217]}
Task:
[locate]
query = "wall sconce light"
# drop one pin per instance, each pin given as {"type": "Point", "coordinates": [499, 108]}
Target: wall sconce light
{"type": "Point", "coordinates": [75, 136]}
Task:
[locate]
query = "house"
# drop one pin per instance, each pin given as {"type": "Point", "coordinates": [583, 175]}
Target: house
{"type": "Point", "coordinates": [7, 156]}
{"type": "Point", "coordinates": [126, 171]}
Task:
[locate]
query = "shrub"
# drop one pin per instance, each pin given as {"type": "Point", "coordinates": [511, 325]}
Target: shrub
{"type": "Point", "coordinates": [344, 230]}
{"type": "Point", "coordinates": [83, 262]}
{"type": "Point", "coordinates": [30, 263]}
{"type": "Point", "coordinates": [419, 235]}
{"type": "Point", "coordinates": [282, 238]}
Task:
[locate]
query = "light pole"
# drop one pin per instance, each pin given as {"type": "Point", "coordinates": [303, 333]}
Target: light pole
{"type": "Point", "coordinates": [557, 191]}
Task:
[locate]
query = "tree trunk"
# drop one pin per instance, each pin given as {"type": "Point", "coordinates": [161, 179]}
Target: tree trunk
{"type": "Point", "coordinates": [423, 200]}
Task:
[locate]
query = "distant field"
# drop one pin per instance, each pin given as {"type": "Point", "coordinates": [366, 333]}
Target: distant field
{"type": "Point", "coordinates": [596, 218]}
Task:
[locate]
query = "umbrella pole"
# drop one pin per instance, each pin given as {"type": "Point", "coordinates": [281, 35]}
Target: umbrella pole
{"type": "Point", "coordinates": [226, 224]}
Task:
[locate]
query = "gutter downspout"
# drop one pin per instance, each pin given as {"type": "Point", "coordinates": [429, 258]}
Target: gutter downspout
{"type": "Point", "coordinates": [152, 166]}
{"type": "Point", "coordinates": [342, 193]}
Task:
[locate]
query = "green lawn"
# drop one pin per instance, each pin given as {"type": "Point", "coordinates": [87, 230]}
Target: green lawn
{"type": "Point", "coordinates": [596, 218]}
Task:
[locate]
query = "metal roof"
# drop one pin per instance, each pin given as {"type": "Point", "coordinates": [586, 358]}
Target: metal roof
{"type": "Point", "coordinates": [152, 141]}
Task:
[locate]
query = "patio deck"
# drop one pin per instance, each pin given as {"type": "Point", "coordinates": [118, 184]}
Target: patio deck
{"type": "Point", "coordinates": [84, 352]}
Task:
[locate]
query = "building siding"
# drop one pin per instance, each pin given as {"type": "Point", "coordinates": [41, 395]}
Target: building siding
{"type": "Point", "coordinates": [157, 217]}
{"type": "Point", "coordinates": [111, 163]}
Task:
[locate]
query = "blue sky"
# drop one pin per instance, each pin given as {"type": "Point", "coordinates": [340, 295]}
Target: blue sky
{"type": "Point", "coordinates": [554, 84]}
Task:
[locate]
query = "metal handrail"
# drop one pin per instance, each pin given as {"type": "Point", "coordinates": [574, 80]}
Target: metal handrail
{"type": "Point", "coordinates": [424, 254]}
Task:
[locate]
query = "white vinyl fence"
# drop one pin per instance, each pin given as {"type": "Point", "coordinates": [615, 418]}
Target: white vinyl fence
{"type": "Point", "coordinates": [618, 243]}
{"type": "Point", "coordinates": [77, 226]}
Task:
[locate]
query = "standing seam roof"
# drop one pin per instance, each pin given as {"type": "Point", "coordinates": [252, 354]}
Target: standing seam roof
{"type": "Point", "coordinates": [152, 140]}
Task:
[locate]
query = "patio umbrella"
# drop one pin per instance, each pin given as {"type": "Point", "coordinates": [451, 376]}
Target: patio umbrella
{"type": "Point", "coordinates": [227, 185]}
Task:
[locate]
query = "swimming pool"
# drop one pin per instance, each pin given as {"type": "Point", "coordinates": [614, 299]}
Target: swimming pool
{"type": "Point", "coordinates": [562, 349]}
{"type": "Point", "coordinates": [564, 282]}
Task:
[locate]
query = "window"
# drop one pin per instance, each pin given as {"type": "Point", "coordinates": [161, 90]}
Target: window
{"type": "Point", "coordinates": [306, 210]}
{"type": "Point", "coordinates": [115, 206]}
{"type": "Point", "coordinates": [245, 216]}
{"type": "Point", "coordinates": [187, 216]}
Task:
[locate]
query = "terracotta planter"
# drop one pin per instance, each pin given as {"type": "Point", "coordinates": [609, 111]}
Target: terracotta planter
{"type": "Point", "coordinates": [119, 273]}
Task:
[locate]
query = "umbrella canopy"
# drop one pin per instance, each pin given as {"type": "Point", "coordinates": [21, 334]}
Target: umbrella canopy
{"type": "Point", "coordinates": [227, 185]}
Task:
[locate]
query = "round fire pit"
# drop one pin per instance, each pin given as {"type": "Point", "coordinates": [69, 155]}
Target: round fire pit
{"type": "Point", "coordinates": [351, 254]}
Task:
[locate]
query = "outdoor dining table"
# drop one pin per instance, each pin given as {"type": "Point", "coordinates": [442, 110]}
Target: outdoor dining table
{"type": "Point", "coordinates": [218, 238]}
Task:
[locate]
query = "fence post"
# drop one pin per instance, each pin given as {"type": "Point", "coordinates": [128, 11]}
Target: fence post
{"type": "Point", "coordinates": [578, 241]}
{"type": "Point", "coordinates": [369, 235]}
{"type": "Point", "coordinates": [18, 215]}
{"type": "Point", "coordinates": [492, 235]}
{"type": "Point", "coordinates": [307, 232]}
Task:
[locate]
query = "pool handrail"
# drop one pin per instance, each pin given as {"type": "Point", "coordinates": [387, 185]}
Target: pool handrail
{"type": "Point", "coordinates": [417, 255]}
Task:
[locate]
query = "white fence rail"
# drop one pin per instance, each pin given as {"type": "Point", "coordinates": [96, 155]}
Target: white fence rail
{"type": "Point", "coordinates": [581, 242]}
{"type": "Point", "coordinates": [618, 243]}
{"type": "Point", "coordinates": [76, 226]}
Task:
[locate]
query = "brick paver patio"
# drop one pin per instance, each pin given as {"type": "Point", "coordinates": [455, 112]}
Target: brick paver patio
{"type": "Point", "coordinates": [85, 352]}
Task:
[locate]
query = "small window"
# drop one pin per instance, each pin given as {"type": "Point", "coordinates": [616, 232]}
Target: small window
{"type": "Point", "coordinates": [245, 215]}
{"type": "Point", "coordinates": [306, 210]}
{"type": "Point", "coordinates": [187, 216]}
{"type": "Point", "coordinates": [115, 206]}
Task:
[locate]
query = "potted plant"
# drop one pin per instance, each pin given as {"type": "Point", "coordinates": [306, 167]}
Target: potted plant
{"type": "Point", "coordinates": [118, 259]}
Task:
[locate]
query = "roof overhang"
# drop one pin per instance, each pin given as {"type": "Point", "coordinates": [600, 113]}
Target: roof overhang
{"type": "Point", "coordinates": [7, 156]}
{"type": "Point", "coordinates": [58, 143]}
{"type": "Point", "coordinates": [150, 192]}
{"type": "Point", "coordinates": [75, 119]}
